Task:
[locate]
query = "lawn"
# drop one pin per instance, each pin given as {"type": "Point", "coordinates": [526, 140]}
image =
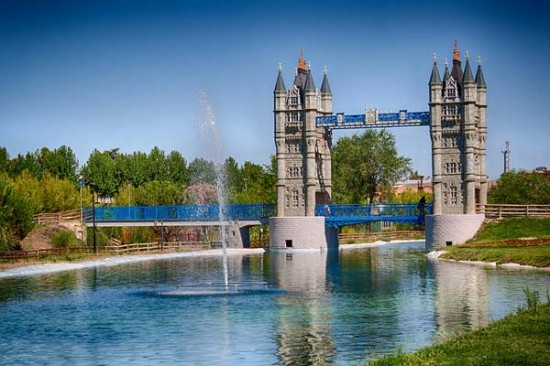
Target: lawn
{"type": "Point", "coordinates": [515, 240]}
{"type": "Point", "coordinates": [519, 339]}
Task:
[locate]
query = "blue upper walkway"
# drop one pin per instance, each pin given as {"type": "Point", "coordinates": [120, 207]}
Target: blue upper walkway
{"type": "Point", "coordinates": [197, 215]}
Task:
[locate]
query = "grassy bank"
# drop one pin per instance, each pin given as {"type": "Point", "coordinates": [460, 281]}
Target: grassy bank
{"type": "Point", "coordinates": [519, 339]}
{"type": "Point", "coordinates": [515, 240]}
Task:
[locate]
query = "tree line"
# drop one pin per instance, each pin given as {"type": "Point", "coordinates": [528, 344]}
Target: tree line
{"type": "Point", "coordinates": [364, 169]}
{"type": "Point", "coordinates": [51, 181]}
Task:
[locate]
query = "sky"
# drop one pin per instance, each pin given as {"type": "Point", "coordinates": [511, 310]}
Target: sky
{"type": "Point", "coordinates": [128, 74]}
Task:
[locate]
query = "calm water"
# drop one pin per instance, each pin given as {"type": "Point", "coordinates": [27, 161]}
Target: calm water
{"type": "Point", "coordinates": [289, 309]}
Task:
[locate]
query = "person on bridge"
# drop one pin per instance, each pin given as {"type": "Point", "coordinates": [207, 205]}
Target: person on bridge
{"type": "Point", "coordinates": [421, 210]}
{"type": "Point", "coordinates": [326, 211]}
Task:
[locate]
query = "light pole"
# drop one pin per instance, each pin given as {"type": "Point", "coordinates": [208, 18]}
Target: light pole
{"type": "Point", "coordinates": [92, 188]}
{"type": "Point", "coordinates": [81, 183]}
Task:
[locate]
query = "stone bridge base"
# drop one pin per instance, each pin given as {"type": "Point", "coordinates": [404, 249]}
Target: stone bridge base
{"type": "Point", "coordinates": [446, 230]}
{"type": "Point", "coordinates": [301, 232]}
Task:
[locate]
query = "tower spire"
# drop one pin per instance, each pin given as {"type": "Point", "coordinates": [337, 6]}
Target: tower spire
{"type": "Point", "coordinates": [480, 80]}
{"type": "Point", "coordinates": [456, 52]}
{"type": "Point", "coordinates": [302, 65]}
{"type": "Point", "coordinates": [468, 75]}
{"type": "Point", "coordinates": [280, 84]}
{"type": "Point", "coordinates": [325, 87]}
{"type": "Point", "coordinates": [435, 79]}
{"type": "Point", "coordinates": [456, 72]}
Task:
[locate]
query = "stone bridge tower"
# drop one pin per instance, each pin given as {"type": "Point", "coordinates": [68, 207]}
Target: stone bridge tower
{"type": "Point", "coordinates": [303, 159]}
{"type": "Point", "coordinates": [458, 132]}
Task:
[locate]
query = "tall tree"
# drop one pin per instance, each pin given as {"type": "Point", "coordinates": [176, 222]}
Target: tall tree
{"type": "Point", "coordinates": [157, 168]}
{"type": "Point", "coordinates": [522, 188]}
{"type": "Point", "coordinates": [15, 215]}
{"type": "Point", "coordinates": [27, 162]}
{"type": "Point", "coordinates": [201, 171]}
{"type": "Point", "coordinates": [233, 178]}
{"type": "Point", "coordinates": [60, 162]}
{"type": "Point", "coordinates": [100, 171]}
{"type": "Point", "coordinates": [4, 160]}
{"type": "Point", "coordinates": [365, 166]}
{"type": "Point", "coordinates": [177, 168]}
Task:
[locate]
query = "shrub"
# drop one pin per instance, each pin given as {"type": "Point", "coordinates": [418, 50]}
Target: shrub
{"type": "Point", "coordinates": [65, 239]}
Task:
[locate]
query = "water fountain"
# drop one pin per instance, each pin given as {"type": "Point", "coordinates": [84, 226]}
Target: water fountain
{"type": "Point", "coordinates": [210, 134]}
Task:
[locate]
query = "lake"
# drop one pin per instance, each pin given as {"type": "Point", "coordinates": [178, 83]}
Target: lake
{"type": "Point", "coordinates": [281, 308]}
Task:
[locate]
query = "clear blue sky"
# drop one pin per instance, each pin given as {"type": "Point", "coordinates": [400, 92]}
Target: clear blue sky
{"type": "Point", "coordinates": [128, 73]}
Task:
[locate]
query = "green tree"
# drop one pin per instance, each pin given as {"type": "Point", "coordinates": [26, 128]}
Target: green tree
{"type": "Point", "coordinates": [132, 168]}
{"type": "Point", "coordinates": [4, 160]}
{"type": "Point", "coordinates": [27, 162]}
{"type": "Point", "coordinates": [31, 188]}
{"type": "Point", "coordinates": [177, 168]}
{"type": "Point", "coordinates": [367, 165]}
{"type": "Point", "coordinates": [233, 178]}
{"type": "Point", "coordinates": [522, 188]}
{"type": "Point", "coordinates": [258, 184]}
{"type": "Point", "coordinates": [59, 194]}
{"type": "Point", "coordinates": [157, 168]}
{"type": "Point", "coordinates": [159, 193]}
{"type": "Point", "coordinates": [60, 162]}
{"type": "Point", "coordinates": [16, 215]}
{"type": "Point", "coordinates": [202, 171]}
{"type": "Point", "coordinates": [101, 171]}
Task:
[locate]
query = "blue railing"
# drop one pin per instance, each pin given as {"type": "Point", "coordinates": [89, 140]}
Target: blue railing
{"type": "Point", "coordinates": [342, 215]}
{"type": "Point", "coordinates": [336, 215]}
{"type": "Point", "coordinates": [373, 119]}
{"type": "Point", "coordinates": [178, 213]}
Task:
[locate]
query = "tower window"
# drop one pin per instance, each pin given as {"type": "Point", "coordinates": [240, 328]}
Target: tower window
{"type": "Point", "coordinates": [453, 195]}
{"type": "Point", "coordinates": [295, 198]}
{"type": "Point", "coordinates": [294, 100]}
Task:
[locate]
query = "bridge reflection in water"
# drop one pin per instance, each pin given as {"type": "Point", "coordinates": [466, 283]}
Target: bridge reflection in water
{"type": "Point", "coordinates": [188, 215]}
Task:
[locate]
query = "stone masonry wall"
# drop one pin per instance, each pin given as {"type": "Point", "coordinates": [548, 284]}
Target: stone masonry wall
{"type": "Point", "coordinates": [443, 230]}
{"type": "Point", "coordinates": [301, 232]}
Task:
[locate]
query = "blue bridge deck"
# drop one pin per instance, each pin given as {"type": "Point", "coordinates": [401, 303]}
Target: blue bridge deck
{"type": "Point", "coordinates": [336, 215]}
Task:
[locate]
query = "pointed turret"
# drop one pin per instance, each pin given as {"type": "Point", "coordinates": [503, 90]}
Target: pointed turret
{"type": "Point", "coordinates": [326, 94]}
{"type": "Point", "coordinates": [468, 75]}
{"type": "Point", "coordinates": [325, 87]}
{"type": "Point", "coordinates": [280, 84]}
{"type": "Point", "coordinates": [309, 85]}
{"type": "Point", "coordinates": [447, 74]}
{"type": "Point", "coordinates": [480, 80]}
{"type": "Point", "coordinates": [435, 79]}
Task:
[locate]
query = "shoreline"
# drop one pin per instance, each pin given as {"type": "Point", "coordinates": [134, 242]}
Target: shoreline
{"type": "Point", "coordinates": [23, 269]}
{"type": "Point", "coordinates": [436, 255]}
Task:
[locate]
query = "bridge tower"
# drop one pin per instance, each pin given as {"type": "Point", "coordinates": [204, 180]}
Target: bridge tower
{"type": "Point", "coordinates": [303, 160]}
{"type": "Point", "coordinates": [458, 132]}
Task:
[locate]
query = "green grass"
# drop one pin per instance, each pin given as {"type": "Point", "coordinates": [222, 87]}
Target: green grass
{"type": "Point", "coordinates": [519, 227]}
{"type": "Point", "coordinates": [519, 339]}
{"type": "Point", "coordinates": [531, 256]}
{"type": "Point", "coordinates": [516, 240]}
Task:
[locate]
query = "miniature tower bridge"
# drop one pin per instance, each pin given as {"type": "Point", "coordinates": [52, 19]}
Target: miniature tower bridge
{"type": "Point", "coordinates": [303, 124]}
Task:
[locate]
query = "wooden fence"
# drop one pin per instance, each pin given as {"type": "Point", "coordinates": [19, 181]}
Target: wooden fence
{"type": "Point", "coordinates": [382, 235]}
{"type": "Point", "coordinates": [57, 217]}
{"type": "Point", "coordinates": [113, 247]}
{"type": "Point", "coordinates": [493, 211]}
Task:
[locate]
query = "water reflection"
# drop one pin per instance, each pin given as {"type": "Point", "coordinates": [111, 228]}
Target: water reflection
{"type": "Point", "coordinates": [303, 327]}
{"type": "Point", "coordinates": [461, 298]}
{"type": "Point", "coordinates": [336, 308]}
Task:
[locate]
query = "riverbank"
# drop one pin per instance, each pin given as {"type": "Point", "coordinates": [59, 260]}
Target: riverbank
{"type": "Point", "coordinates": [512, 242]}
{"type": "Point", "coordinates": [59, 266]}
{"type": "Point", "coordinates": [519, 339]}
{"type": "Point", "coordinates": [41, 267]}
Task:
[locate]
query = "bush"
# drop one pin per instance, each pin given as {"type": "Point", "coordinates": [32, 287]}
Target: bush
{"type": "Point", "coordinates": [65, 239]}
